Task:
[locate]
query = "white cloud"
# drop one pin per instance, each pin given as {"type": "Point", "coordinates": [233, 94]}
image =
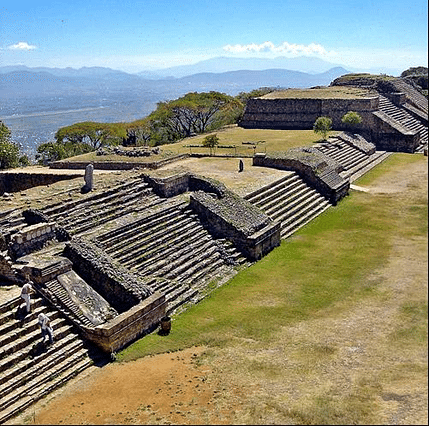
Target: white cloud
{"type": "Point", "coordinates": [22, 46]}
{"type": "Point", "coordinates": [285, 48]}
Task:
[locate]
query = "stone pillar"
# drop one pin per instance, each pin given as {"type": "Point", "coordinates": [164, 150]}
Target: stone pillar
{"type": "Point", "coordinates": [89, 181]}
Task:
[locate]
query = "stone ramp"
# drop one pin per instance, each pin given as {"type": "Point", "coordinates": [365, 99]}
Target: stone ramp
{"type": "Point", "coordinates": [29, 369]}
{"type": "Point", "coordinates": [291, 201]}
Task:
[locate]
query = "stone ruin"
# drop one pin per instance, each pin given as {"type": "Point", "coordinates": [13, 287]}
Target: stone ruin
{"type": "Point", "coordinates": [394, 113]}
{"type": "Point", "coordinates": [111, 304]}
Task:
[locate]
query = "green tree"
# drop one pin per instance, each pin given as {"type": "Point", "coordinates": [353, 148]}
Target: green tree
{"type": "Point", "coordinates": [9, 151]}
{"type": "Point", "coordinates": [93, 134]}
{"type": "Point", "coordinates": [351, 119]}
{"type": "Point", "coordinates": [211, 141]}
{"type": "Point", "coordinates": [191, 114]}
{"type": "Point", "coordinates": [323, 125]}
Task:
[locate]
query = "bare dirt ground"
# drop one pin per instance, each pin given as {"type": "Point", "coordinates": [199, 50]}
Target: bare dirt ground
{"type": "Point", "coordinates": [331, 356]}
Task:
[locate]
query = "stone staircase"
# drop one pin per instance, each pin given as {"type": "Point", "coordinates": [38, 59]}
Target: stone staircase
{"type": "Point", "coordinates": [414, 97]}
{"type": "Point", "coordinates": [29, 369]}
{"type": "Point", "coordinates": [406, 120]}
{"type": "Point", "coordinates": [85, 214]}
{"type": "Point", "coordinates": [291, 201]}
{"type": "Point", "coordinates": [172, 247]}
{"type": "Point", "coordinates": [354, 161]}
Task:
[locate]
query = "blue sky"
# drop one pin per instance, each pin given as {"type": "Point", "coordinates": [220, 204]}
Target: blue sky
{"type": "Point", "coordinates": [150, 34]}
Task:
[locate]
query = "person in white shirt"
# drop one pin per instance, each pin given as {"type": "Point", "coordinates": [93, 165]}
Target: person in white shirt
{"type": "Point", "coordinates": [26, 290]}
{"type": "Point", "coordinates": [45, 327]}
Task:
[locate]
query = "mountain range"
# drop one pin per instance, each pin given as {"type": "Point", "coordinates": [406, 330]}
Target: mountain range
{"type": "Point", "coordinates": [219, 74]}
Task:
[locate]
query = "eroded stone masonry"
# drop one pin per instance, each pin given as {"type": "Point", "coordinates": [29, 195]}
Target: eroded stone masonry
{"type": "Point", "coordinates": [108, 265]}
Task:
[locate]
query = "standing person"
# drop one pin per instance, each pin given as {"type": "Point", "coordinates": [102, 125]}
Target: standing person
{"type": "Point", "coordinates": [45, 326]}
{"type": "Point", "coordinates": [26, 290]}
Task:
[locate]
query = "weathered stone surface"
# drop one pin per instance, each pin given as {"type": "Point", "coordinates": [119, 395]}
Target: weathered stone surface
{"type": "Point", "coordinates": [115, 283]}
{"type": "Point", "coordinates": [92, 305]}
{"type": "Point", "coordinates": [31, 238]}
{"type": "Point", "coordinates": [89, 178]}
{"type": "Point", "coordinates": [126, 327]}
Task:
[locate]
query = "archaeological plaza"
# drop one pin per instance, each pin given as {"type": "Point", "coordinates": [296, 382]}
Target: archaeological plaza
{"type": "Point", "coordinates": [112, 263]}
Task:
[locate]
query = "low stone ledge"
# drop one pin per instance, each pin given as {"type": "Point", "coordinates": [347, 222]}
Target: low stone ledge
{"type": "Point", "coordinates": [390, 135]}
{"type": "Point", "coordinates": [112, 165]}
{"type": "Point", "coordinates": [128, 326]}
{"type": "Point", "coordinates": [11, 182]}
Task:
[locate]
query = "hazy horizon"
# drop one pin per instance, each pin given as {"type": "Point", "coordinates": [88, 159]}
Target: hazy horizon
{"type": "Point", "coordinates": [147, 36]}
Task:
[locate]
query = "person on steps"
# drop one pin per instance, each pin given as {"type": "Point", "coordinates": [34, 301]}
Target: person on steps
{"type": "Point", "coordinates": [45, 327]}
{"type": "Point", "coordinates": [26, 290]}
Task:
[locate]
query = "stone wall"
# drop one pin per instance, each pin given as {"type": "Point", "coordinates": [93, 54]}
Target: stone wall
{"type": "Point", "coordinates": [31, 238]}
{"type": "Point", "coordinates": [289, 113]}
{"type": "Point", "coordinates": [113, 282]}
{"type": "Point", "coordinates": [170, 186]}
{"type": "Point", "coordinates": [111, 165]}
{"type": "Point", "coordinates": [11, 182]}
{"type": "Point", "coordinates": [126, 327]}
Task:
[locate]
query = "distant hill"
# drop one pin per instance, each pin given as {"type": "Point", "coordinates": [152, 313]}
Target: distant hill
{"type": "Point", "coordinates": [304, 64]}
{"type": "Point", "coordinates": [24, 81]}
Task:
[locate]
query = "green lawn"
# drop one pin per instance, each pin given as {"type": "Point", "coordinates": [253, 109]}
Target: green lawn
{"type": "Point", "coordinates": [233, 137]}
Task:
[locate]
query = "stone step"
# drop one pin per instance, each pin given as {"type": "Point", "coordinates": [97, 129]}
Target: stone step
{"type": "Point", "coordinates": [178, 297]}
{"type": "Point", "coordinates": [307, 212]}
{"type": "Point", "coordinates": [303, 220]}
{"type": "Point", "coordinates": [44, 376]}
{"type": "Point", "coordinates": [254, 196]}
{"type": "Point", "coordinates": [69, 341]}
{"type": "Point", "coordinates": [116, 238]}
{"type": "Point", "coordinates": [10, 305]}
{"type": "Point", "coordinates": [42, 390]}
{"type": "Point", "coordinates": [202, 273]}
{"type": "Point", "coordinates": [98, 218]}
{"type": "Point", "coordinates": [152, 214]}
{"type": "Point", "coordinates": [159, 258]}
{"type": "Point", "coordinates": [190, 263]}
{"type": "Point", "coordinates": [282, 192]}
{"type": "Point", "coordinates": [182, 259]}
{"type": "Point", "coordinates": [142, 231]}
{"type": "Point", "coordinates": [22, 348]}
{"type": "Point", "coordinates": [285, 199]}
{"type": "Point", "coordinates": [375, 159]}
{"type": "Point", "coordinates": [140, 252]}
{"type": "Point", "coordinates": [18, 304]}
{"type": "Point", "coordinates": [291, 205]}
{"type": "Point", "coordinates": [30, 369]}
{"type": "Point", "coordinates": [94, 198]}
{"type": "Point", "coordinates": [55, 289]}
{"type": "Point", "coordinates": [15, 328]}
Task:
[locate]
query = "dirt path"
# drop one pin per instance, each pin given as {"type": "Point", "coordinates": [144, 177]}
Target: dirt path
{"type": "Point", "coordinates": [329, 358]}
